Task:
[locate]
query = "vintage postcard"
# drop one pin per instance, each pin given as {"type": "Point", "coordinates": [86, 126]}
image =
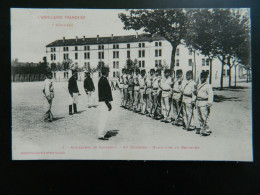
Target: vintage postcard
{"type": "Point", "coordinates": [142, 84]}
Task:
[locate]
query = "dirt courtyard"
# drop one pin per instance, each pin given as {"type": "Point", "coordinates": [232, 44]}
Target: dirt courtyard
{"type": "Point", "coordinates": [133, 136]}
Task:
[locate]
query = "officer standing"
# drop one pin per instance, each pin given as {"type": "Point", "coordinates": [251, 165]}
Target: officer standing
{"type": "Point", "coordinates": [148, 93]}
{"type": "Point", "coordinates": [74, 92]}
{"type": "Point", "coordinates": [121, 86]}
{"type": "Point", "coordinates": [189, 97]}
{"type": "Point", "coordinates": [131, 90]}
{"type": "Point", "coordinates": [166, 86]}
{"type": "Point", "coordinates": [48, 92]}
{"type": "Point", "coordinates": [177, 98]}
{"type": "Point", "coordinates": [105, 97]}
{"type": "Point", "coordinates": [89, 89]}
{"type": "Point", "coordinates": [125, 78]}
{"type": "Point", "coordinates": [204, 102]}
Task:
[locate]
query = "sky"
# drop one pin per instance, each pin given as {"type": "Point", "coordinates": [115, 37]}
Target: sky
{"type": "Point", "coordinates": [30, 33]}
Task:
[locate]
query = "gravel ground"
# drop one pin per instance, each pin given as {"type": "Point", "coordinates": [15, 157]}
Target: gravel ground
{"type": "Point", "coordinates": [138, 137]}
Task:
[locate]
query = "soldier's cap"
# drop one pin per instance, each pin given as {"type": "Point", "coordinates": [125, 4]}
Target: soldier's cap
{"type": "Point", "coordinates": [143, 71]}
{"type": "Point", "coordinates": [159, 71]}
{"type": "Point", "coordinates": [204, 74]}
{"type": "Point", "coordinates": [189, 72]}
{"type": "Point", "coordinates": [179, 71]}
{"type": "Point", "coordinates": [137, 70]}
{"type": "Point", "coordinates": [152, 70]}
{"type": "Point", "coordinates": [167, 71]}
{"type": "Point", "coordinates": [74, 71]}
{"type": "Point", "coordinates": [104, 70]}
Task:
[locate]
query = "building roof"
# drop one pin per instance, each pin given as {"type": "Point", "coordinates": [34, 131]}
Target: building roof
{"type": "Point", "coordinates": [106, 40]}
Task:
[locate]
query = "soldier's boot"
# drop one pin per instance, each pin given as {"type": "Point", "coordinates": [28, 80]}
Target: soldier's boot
{"type": "Point", "coordinates": [75, 108]}
{"type": "Point", "coordinates": [70, 110]}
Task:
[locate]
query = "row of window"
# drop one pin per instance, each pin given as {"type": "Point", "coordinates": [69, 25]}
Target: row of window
{"type": "Point", "coordinates": [177, 62]}
{"type": "Point", "coordinates": [178, 51]}
{"type": "Point", "coordinates": [101, 47]}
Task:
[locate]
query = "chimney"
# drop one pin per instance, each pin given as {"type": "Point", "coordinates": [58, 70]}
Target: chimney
{"type": "Point", "coordinates": [97, 37]}
{"type": "Point", "coordinates": [63, 39]}
{"type": "Point", "coordinates": [112, 36]}
{"type": "Point", "coordinates": [84, 38]}
{"type": "Point", "coordinates": [136, 36]}
{"type": "Point", "coordinates": [76, 38]}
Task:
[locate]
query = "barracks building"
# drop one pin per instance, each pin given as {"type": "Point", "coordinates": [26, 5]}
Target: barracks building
{"type": "Point", "coordinates": [150, 51]}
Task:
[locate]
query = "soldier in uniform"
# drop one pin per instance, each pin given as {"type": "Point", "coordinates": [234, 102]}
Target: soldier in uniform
{"type": "Point", "coordinates": [105, 97]}
{"type": "Point", "coordinates": [155, 111]}
{"type": "Point", "coordinates": [131, 90]}
{"type": "Point", "coordinates": [148, 92]}
{"type": "Point", "coordinates": [204, 102]}
{"type": "Point", "coordinates": [48, 92]}
{"type": "Point", "coordinates": [177, 98]}
{"type": "Point", "coordinates": [74, 92]}
{"type": "Point", "coordinates": [189, 98]}
{"type": "Point", "coordinates": [166, 86]}
{"type": "Point", "coordinates": [142, 92]}
{"type": "Point", "coordinates": [125, 78]}
{"type": "Point", "coordinates": [121, 86]}
{"type": "Point", "coordinates": [89, 89]}
{"type": "Point", "coordinates": [136, 90]}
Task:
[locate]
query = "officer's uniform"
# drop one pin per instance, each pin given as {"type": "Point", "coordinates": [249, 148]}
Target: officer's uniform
{"type": "Point", "coordinates": [176, 99]}
{"type": "Point", "coordinates": [166, 94]}
{"type": "Point", "coordinates": [155, 94]}
{"type": "Point", "coordinates": [142, 92]}
{"type": "Point", "coordinates": [189, 97]}
{"type": "Point", "coordinates": [204, 102]}
{"type": "Point", "coordinates": [148, 93]}
{"type": "Point", "coordinates": [136, 91]}
{"type": "Point", "coordinates": [74, 93]}
{"type": "Point", "coordinates": [104, 95]}
{"type": "Point", "coordinates": [48, 91]}
{"type": "Point", "coordinates": [89, 88]}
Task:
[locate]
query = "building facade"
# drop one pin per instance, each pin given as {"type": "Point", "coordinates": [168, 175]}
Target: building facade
{"type": "Point", "coordinates": [150, 51]}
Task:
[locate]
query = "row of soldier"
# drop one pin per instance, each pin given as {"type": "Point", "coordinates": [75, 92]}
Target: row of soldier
{"type": "Point", "coordinates": [158, 97]}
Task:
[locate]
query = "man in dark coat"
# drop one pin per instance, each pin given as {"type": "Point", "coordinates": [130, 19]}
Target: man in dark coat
{"type": "Point", "coordinates": [105, 97]}
{"type": "Point", "coordinates": [89, 89]}
{"type": "Point", "coordinates": [74, 92]}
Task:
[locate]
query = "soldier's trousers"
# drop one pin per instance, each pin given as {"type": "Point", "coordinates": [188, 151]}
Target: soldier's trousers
{"type": "Point", "coordinates": [142, 103]}
{"type": "Point", "coordinates": [125, 96]}
{"type": "Point", "coordinates": [156, 110]}
{"type": "Point", "coordinates": [149, 101]}
{"type": "Point", "coordinates": [187, 114]}
{"type": "Point", "coordinates": [74, 98]}
{"type": "Point", "coordinates": [103, 119]}
{"type": "Point", "coordinates": [203, 116]}
{"type": "Point", "coordinates": [136, 99]}
{"type": "Point", "coordinates": [90, 98]}
{"type": "Point", "coordinates": [165, 107]}
{"type": "Point", "coordinates": [131, 98]}
{"type": "Point", "coordinates": [176, 105]}
{"type": "Point", "coordinates": [47, 108]}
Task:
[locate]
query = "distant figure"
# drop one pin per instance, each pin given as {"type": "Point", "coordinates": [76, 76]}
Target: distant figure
{"type": "Point", "coordinates": [74, 93]}
{"type": "Point", "coordinates": [105, 97]}
{"type": "Point", "coordinates": [89, 89]}
{"type": "Point", "coordinates": [48, 92]}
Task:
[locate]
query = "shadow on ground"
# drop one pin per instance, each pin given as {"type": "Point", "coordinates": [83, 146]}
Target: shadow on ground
{"type": "Point", "coordinates": [221, 98]}
{"type": "Point", "coordinates": [57, 118]}
{"type": "Point", "coordinates": [111, 133]}
{"type": "Point", "coordinates": [234, 89]}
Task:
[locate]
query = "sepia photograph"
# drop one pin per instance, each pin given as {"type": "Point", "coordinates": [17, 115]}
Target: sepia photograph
{"type": "Point", "coordinates": [131, 84]}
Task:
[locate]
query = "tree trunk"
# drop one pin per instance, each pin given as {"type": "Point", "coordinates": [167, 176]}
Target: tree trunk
{"type": "Point", "coordinates": [222, 69]}
{"type": "Point", "coordinates": [194, 68]}
{"type": "Point", "coordinates": [229, 77]}
{"type": "Point", "coordinates": [173, 57]}
{"type": "Point", "coordinates": [210, 71]}
{"type": "Point", "coordinates": [235, 76]}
